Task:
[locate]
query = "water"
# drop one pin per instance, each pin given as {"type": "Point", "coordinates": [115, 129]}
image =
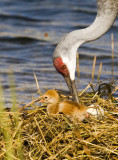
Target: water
{"type": "Point", "coordinates": [29, 32]}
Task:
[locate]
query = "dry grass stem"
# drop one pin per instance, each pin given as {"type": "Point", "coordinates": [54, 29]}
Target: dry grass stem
{"type": "Point", "coordinates": [100, 69]}
{"type": "Point", "coordinates": [93, 70]}
{"type": "Point", "coordinates": [37, 84]}
{"type": "Point", "coordinates": [88, 86]}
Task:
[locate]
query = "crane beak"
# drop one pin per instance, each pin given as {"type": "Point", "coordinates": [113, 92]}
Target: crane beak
{"type": "Point", "coordinates": [72, 87]}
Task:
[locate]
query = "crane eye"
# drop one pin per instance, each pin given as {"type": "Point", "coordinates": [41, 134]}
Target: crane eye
{"type": "Point", "coordinates": [63, 67]}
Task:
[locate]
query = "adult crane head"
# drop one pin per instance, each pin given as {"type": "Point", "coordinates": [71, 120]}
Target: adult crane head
{"type": "Point", "coordinates": [64, 57]}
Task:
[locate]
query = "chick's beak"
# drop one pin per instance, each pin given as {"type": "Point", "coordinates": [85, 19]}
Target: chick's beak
{"type": "Point", "coordinates": [41, 99]}
{"type": "Point", "coordinates": [72, 87]}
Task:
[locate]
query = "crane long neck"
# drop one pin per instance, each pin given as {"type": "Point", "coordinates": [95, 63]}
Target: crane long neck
{"type": "Point", "coordinates": [107, 12]}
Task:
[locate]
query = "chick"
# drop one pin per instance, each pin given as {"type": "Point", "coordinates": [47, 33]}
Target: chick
{"type": "Point", "coordinates": [51, 98]}
{"type": "Point", "coordinates": [70, 109]}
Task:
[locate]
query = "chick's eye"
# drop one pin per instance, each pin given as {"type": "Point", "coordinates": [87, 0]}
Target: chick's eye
{"type": "Point", "coordinates": [46, 97]}
{"type": "Point", "coordinates": [63, 67]}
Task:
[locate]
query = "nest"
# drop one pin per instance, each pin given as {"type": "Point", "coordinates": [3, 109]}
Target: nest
{"type": "Point", "coordinates": [55, 137]}
{"type": "Point", "coordinates": [40, 136]}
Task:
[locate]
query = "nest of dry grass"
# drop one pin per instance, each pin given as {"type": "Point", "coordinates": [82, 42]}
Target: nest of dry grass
{"type": "Point", "coordinates": [54, 137]}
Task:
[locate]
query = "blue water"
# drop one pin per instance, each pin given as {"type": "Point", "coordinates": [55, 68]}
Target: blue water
{"type": "Point", "coordinates": [29, 33]}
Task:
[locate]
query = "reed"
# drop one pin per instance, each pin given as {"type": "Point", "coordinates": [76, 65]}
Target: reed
{"type": "Point", "coordinates": [100, 69]}
{"type": "Point", "coordinates": [7, 150]}
{"type": "Point", "coordinates": [37, 84]}
{"type": "Point", "coordinates": [93, 70]}
{"type": "Point", "coordinates": [15, 119]}
{"type": "Point", "coordinates": [10, 126]}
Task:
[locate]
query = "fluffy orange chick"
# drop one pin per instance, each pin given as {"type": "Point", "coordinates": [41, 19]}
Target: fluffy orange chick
{"type": "Point", "coordinates": [51, 98]}
{"type": "Point", "coordinates": [69, 108]}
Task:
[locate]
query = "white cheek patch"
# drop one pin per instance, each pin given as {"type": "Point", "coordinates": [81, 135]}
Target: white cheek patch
{"type": "Point", "coordinates": [71, 65]}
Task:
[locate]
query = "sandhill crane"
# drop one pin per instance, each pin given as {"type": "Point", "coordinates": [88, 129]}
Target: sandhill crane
{"type": "Point", "coordinates": [64, 57]}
